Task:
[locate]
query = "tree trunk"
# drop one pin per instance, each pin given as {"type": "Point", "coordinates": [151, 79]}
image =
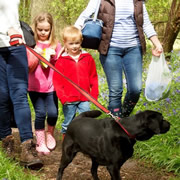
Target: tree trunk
{"type": "Point", "coordinates": [172, 27]}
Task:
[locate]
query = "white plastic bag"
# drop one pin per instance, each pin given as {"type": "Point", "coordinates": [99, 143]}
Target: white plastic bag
{"type": "Point", "coordinates": [158, 79]}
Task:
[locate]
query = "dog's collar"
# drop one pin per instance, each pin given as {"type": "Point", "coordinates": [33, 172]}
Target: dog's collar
{"type": "Point", "coordinates": [124, 129]}
{"type": "Point", "coordinates": [117, 119]}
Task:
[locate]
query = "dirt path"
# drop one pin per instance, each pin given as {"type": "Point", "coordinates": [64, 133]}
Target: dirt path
{"type": "Point", "coordinates": [79, 169]}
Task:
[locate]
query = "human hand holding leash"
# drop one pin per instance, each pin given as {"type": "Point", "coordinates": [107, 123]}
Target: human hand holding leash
{"type": "Point", "coordinates": [15, 37]}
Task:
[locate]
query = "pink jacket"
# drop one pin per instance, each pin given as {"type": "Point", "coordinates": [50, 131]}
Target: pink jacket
{"type": "Point", "coordinates": [40, 80]}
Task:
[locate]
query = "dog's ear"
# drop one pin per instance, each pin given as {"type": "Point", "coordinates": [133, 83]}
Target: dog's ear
{"type": "Point", "coordinates": [154, 122]}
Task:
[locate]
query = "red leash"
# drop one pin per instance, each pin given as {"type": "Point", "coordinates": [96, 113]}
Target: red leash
{"type": "Point", "coordinates": [86, 94]}
{"type": "Point", "coordinates": [82, 91]}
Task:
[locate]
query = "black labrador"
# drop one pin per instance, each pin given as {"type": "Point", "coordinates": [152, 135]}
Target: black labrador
{"type": "Point", "coordinates": [105, 142]}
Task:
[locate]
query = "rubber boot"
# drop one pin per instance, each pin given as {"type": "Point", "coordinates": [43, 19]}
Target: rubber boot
{"type": "Point", "coordinates": [127, 108]}
{"type": "Point", "coordinates": [116, 111]}
{"type": "Point", "coordinates": [50, 140]}
{"type": "Point", "coordinates": [29, 158]}
{"type": "Point", "coordinates": [41, 147]}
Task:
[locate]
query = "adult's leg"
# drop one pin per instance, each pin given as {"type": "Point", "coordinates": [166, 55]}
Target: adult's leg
{"type": "Point", "coordinates": [17, 78]}
{"type": "Point", "coordinates": [5, 111]}
{"type": "Point", "coordinates": [132, 65]}
{"type": "Point", "coordinates": [17, 73]}
{"type": "Point", "coordinates": [113, 68]}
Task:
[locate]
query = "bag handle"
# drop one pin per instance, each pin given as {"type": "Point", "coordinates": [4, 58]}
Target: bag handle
{"type": "Point", "coordinates": [97, 10]}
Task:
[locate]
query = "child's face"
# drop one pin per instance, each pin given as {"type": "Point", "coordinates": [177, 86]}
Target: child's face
{"type": "Point", "coordinates": [43, 30]}
{"type": "Point", "coordinates": [73, 46]}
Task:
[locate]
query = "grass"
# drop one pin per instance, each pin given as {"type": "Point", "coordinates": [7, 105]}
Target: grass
{"type": "Point", "coordinates": [163, 151]}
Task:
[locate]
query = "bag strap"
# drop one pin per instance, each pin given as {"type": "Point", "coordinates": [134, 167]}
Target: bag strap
{"type": "Point", "coordinates": [97, 10]}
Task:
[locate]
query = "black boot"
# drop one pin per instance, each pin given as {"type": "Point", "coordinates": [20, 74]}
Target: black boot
{"type": "Point", "coordinates": [116, 111]}
{"type": "Point", "coordinates": [127, 108]}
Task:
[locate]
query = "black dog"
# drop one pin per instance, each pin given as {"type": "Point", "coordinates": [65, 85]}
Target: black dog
{"type": "Point", "coordinates": [106, 142]}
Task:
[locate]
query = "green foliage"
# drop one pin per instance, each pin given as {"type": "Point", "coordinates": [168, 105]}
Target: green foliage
{"type": "Point", "coordinates": [24, 10]}
{"type": "Point", "coordinates": [68, 10]}
{"type": "Point", "coordinates": [60, 116]}
{"type": "Point", "coordinates": [158, 10]}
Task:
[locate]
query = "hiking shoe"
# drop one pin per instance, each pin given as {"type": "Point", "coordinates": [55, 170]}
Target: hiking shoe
{"type": "Point", "coordinates": [8, 145]}
{"type": "Point", "coordinates": [29, 158]}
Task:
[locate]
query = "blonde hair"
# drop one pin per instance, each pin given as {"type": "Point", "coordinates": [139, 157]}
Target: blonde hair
{"type": "Point", "coordinates": [44, 16]}
{"type": "Point", "coordinates": [71, 33]}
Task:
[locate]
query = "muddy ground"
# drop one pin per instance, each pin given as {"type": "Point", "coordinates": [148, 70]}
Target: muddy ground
{"type": "Point", "coordinates": [79, 169]}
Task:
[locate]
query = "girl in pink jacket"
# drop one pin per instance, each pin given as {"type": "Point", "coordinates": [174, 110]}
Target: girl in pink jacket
{"type": "Point", "coordinates": [41, 89]}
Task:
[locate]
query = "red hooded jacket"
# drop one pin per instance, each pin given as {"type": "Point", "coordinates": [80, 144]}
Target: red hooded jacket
{"type": "Point", "coordinates": [83, 73]}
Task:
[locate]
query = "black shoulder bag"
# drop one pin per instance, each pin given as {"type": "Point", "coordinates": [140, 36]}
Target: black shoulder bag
{"type": "Point", "coordinates": [28, 34]}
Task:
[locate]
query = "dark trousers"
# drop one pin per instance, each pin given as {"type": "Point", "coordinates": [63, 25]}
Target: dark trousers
{"type": "Point", "coordinates": [45, 105]}
{"type": "Point", "coordinates": [13, 92]}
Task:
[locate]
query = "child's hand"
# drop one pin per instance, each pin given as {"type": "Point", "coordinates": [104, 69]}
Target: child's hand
{"type": "Point", "coordinates": [47, 53]}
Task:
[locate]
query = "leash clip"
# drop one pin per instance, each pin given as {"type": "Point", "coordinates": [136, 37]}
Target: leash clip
{"type": "Point", "coordinates": [114, 117]}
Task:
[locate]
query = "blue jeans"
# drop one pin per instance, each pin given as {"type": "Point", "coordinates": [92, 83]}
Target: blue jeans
{"type": "Point", "coordinates": [13, 92]}
{"type": "Point", "coordinates": [70, 110]}
{"type": "Point", "coordinates": [45, 104]}
{"type": "Point", "coordinates": [117, 61]}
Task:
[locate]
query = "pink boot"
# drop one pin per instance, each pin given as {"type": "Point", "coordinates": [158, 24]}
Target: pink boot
{"type": "Point", "coordinates": [41, 145]}
{"type": "Point", "coordinates": [50, 141]}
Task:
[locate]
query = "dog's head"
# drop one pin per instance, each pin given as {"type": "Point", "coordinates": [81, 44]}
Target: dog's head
{"type": "Point", "coordinates": [150, 123]}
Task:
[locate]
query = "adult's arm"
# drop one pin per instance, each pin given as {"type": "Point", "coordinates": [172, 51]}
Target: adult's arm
{"type": "Point", "coordinates": [151, 33]}
{"type": "Point", "coordinates": [90, 9]}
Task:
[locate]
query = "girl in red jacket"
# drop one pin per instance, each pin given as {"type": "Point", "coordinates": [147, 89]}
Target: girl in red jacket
{"type": "Point", "coordinates": [80, 67]}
